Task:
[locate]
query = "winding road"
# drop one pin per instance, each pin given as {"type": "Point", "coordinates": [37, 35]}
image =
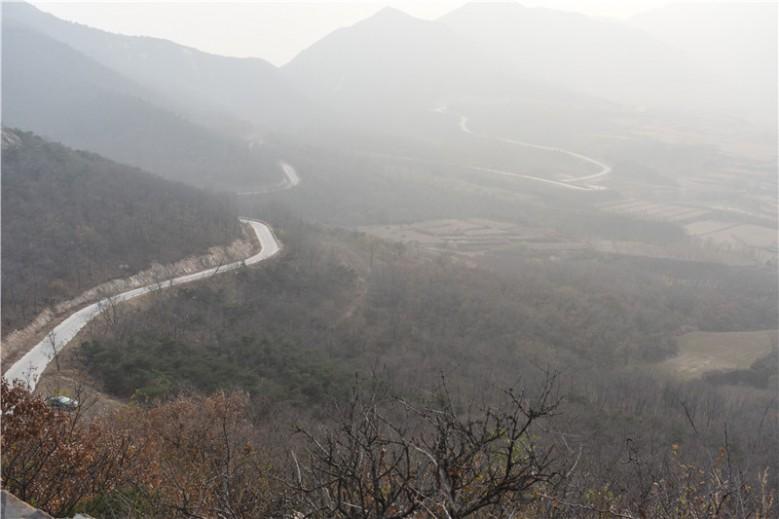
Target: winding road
{"type": "Point", "coordinates": [29, 368]}
{"type": "Point", "coordinates": [569, 183]}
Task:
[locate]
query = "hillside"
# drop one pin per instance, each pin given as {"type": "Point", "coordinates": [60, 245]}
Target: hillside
{"type": "Point", "coordinates": [734, 42]}
{"type": "Point", "coordinates": [196, 82]}
{"type": "Point", "coordinates": [393, 62]}
{"type": "Point", "coordinates": [72, 220]}
{"type": "Point", "coordinates": [57, 92]}
{"type": "Point", "coordinates": [602, 58]}
{"type": "Point", "coordinates": [343, 312]}
{"type": "Point", "coordinates": [412, 312]}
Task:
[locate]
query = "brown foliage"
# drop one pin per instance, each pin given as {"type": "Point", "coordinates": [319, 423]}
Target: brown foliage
{"type": "Point", "coordinates": [192, 457]}
{"type": "Point", "coordinates": [54, 460]}
{"type": "Point", "coordinates": [199, 457]}
{"type": "Point", "coordinates": [204, 461]}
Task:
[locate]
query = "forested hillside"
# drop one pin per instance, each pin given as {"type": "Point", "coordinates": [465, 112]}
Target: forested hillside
{"type": "Point", "coordinates": [341, 309]}
{"type": "Point", "coordinates": [72, 219]}
{"type": "Point", "coordinates": [341, 303]}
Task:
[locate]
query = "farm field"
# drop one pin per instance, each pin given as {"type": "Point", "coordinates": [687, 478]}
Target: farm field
{"type": "Point", "coordinates": [470, 236]}
{"type": "Point", "coordinates": [700, 352]}
{"type": "Point", "coordinates": [757, 243]}
{"type": "Point", "coordinates": [654, 211]}
{"type": "Point", "coordinates": [684, 252]}
{"type": "Point", "coordinates": [474, 237]}
{"type": "Point", "coordinates": [748, 235]}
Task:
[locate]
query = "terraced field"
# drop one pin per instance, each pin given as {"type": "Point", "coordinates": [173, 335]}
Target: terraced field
{"type": "Point", "coordinates": [461, 236]}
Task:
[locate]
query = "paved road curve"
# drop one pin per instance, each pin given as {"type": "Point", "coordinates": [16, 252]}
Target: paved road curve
{"type": "Point", "coordinates": [569, 183]}
{"type": "Point", "coordinates": [28, 369]}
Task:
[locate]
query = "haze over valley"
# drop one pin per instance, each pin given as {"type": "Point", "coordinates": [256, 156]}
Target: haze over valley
{"type": "Point", "coordinates": [508, 261]}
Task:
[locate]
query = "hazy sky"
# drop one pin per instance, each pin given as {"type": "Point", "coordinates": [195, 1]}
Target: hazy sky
{"type": "Point", "coordinates": [276, 30]}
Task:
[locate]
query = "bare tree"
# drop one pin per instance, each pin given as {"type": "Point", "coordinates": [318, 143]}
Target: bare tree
{"type": "Point", "coordinates": [51, 340]}
{"type": "Point", "coordinates": [399, 460]}
{"type": "Point", "coordinates": [109, 311]}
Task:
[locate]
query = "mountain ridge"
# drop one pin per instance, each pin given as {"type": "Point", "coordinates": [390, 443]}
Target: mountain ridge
{"type": "Point", "coordinates": [195, 81]}
{"type": "Point", "coordinates": [52, 89]}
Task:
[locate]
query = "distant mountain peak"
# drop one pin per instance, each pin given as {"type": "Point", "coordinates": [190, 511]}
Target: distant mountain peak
{"type": "Point", "coordinates": [390, 12]}
{"type": "Point", "coordinates": [389, 15]}
{"type": "Point", "coordinates": [491, 6]}
{"type": "Point", "coordinates": [499, 9]}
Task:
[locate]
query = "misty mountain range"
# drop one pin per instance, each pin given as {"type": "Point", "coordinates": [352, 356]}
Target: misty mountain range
{"type": "Point", "coordinates": [65, 81]}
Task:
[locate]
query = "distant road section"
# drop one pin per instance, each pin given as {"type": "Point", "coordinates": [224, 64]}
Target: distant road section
{"type": "Point", "coordinates": [557, 183]}
{"type": "Point", "coordinates": [292, 175]}
{"type": "Point", "coordinates": [568, 183]}
{"type": "Point", "coordinates": [29, 368]}
{"type": "Point", "coordinates": [605, 169]}
{"type": "Point", "coordinates": [464, 125]}
{"type": "Point", "coordinates": [291, 179]}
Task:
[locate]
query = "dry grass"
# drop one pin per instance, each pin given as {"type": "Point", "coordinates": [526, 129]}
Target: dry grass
{"type": "Point", "coordinates": [700, 352]}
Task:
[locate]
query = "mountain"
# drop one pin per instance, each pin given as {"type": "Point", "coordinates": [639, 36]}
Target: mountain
{"type": "Point", "coordinates": [736, 42]}
{"type": "Point", "coordinates": [72, 220]}
{"type": "Point", "coordinates": [53, 90]}
{"type": "Point", "coordinates": [394, 62]}
{"type": "Point", "coordinates": [197, 82]}
{"type": "Point", "coordinates": [594, 56]}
